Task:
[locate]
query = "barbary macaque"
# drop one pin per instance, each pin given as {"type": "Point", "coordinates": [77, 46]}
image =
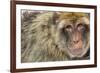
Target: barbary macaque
{"type": "Point", "coordinates": [53, 36]}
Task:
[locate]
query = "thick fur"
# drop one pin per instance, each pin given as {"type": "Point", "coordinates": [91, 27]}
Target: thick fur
{"type": "Point", "coordinates": [40, 40]}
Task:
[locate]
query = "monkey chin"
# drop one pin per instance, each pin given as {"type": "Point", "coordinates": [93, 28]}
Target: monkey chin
{"type": "Point", "coordinates": [76, 53]}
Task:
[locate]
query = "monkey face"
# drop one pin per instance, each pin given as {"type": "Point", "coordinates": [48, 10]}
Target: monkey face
{"type": "Point", "coordinates": [73, 36]}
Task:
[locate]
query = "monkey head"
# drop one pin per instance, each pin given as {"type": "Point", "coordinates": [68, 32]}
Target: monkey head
{"type": "Point", "coordinates": [73, 34]}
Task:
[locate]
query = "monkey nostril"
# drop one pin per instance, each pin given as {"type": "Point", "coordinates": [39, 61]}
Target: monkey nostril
{"type": "Point", "coordinates": [76, 41]}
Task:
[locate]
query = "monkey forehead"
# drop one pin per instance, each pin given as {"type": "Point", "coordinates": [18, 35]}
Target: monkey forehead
{"type": "Point", "coordinates": [83, 20]}
{"type": "Point", "coordinates": [64, 22]}
{"type": "Point", "coordinates": [67, 15]}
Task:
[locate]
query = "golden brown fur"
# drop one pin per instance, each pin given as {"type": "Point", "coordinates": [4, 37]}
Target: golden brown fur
{"type": "Point", "coordinates": [42, 39]}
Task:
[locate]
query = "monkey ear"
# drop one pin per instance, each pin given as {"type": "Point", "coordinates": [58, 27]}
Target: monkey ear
{"type": "Point", "coordinates": [52, 17]}
{"type": "Point", "coordinates": [56, 17]}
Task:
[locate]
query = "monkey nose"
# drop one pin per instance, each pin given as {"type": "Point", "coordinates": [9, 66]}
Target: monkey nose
{"type": "Point", "coordinates": [75, 41]}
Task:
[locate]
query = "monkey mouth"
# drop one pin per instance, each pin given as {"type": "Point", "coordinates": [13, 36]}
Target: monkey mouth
{"type": "Point", "coordinates": [76, 51]}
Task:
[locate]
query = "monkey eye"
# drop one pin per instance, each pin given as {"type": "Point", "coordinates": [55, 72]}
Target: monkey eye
{"type": "Point", "coordinates": [68, 28]}
{"type": "Point", "coordinates": [81, 27]}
